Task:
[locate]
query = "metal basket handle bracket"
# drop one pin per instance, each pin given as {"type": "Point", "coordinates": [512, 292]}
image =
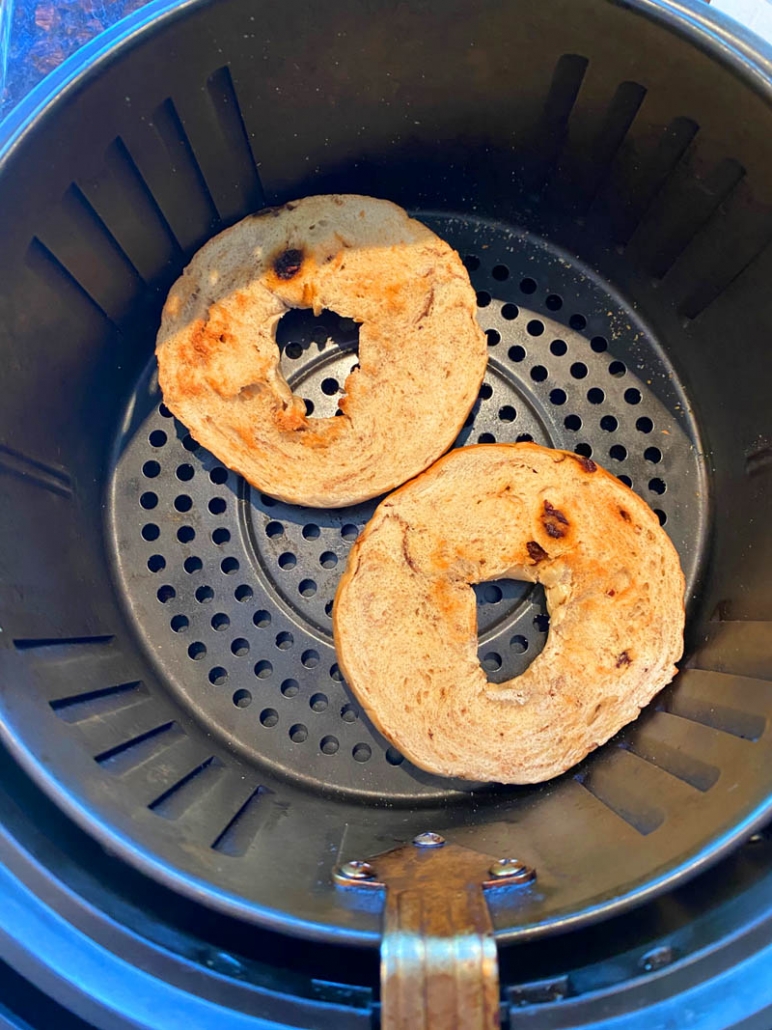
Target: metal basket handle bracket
{"type": "Point", "coordinates": [439, 968]}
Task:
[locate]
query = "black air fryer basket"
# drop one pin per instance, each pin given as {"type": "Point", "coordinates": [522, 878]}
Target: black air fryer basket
{"type": "Point", "coordinates": [167, 671]}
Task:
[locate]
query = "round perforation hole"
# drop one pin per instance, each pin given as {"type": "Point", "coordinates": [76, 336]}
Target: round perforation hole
{"type": "Point", "coordinates": [493, 336]}
{"type": "Point", "coordinates": [263, 669]}
{"type": "Point", "coordinates": [539, 373]}
{"type": "Point", "coordinates": [156, 563]}
{"type": "Point", "coordinates": [269, 717]}
{"type": "Point", "coordinates": [653, 454]}
{"type": "Point", "coordinates": [204, 594]}
{"type": "Point", "coordinates": [151, 469]}
{"type": "Point", "coordinates": [528, 286]}
{"type": "Point", "coordinates": [318, 702]}
{"type": "Point", "coordinates": [262, 618]}
{"type": "Point", "coordinates": [657, 486]}
{"type": "Point", "coordinates": [519, 643]}
{"type": "Point", "coordinates": [243, 699]}
{"type": "Point", "coordinates": [298, 733]}
{"type": "Point", "coordinates": [185, 534]}
{"type": "Point", "coordinates": [197, 650]}
{"type": "Point", "coordinates": [609, 424]}
{"type": "Point", "coordinates": [558, 396]}
{"type": "Point", "coordinates": [183, 503]}
{"type": "Point", "coordinates": [180, 623]}
{"type": "Point", "coordinates": [185, 472]}
{"type": "Point", "coordinates": [193, 564]}
{"type": "Point", "coordinates": [329, 745]}
{"type": "Point", "coordinates": [310, 658]}
{"type": "Point", "coordinates": [491, 661]}
{"type": "Point", "coordinates": [483, 298]}
{"type": "Point", "coordinates": [617, 452]}
{"type": "Point", "coordinates": [617, 369]}
{"type": "Point", "coordinates": [150, 532]}
{"type": "Point", "coordinates": [553, 302]}
{"type": "Point", "coordinates": [243, 593]}
{"type": "Point", "coordinates": [572, 422]}
{"type": "Point", "coordinates": [558, 348]}
{"type": "Point", "coordinates": [229, 565]}
{"type": "Point", "coordinates": [290, 688]}
{"type": "Point", "coordinates": [644, 424]}
{"type": "Point", "coordinates": [361, 752]}
{"type": "Point", "coordinates": [535, 327]}
{"type": "Point", "coordinates": [578, 323]}
{"type": "Point", "coordinates": [166, 593]}
{"type": "Point", "coordinates": [157, 438]}
{"type": "Point", "coordinates": [221, 536]}
{"type": "Point", "coordinates": [220, 621]}
{"type": "Point", "coordinates": [218, 675]}
{"type": "Point", "coordinates": [509, 312]}
{"type": "Point", "coordinates": [500, 273]}
{"type": "Point", "coordinates": [240, 647]}
{"type": "Point", "coordinates": [507, 413]}
{"type": "Point", "coordinates": [516, 353]}
{"type": "Point", "coordinates": [287, 561]}
{"type": "Point", "coordinates": [284, 640]}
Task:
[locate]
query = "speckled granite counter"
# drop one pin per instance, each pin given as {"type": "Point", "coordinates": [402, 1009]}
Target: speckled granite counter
{"type": "Point", "coordinates": [37, 35]}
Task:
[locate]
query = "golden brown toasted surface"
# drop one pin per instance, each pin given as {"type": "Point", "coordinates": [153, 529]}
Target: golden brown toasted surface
{"type": "Point", "coordinates": [422, 355]}
{"type": "Point", "coordinates": [405, 613]}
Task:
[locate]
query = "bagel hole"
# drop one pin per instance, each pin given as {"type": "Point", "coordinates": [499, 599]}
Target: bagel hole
{"type": "Point", "coordinates": [512, 627]}
{"type": "Point", "coordinates": [301, 337]}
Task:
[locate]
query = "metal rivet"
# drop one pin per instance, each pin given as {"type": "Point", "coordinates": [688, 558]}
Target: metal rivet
{"type": "Point", "coordinates": [507, 867]}
{"type": "Point", "coordinates": [428, 840]}
{"type": "Point", "coordinates": [657, 958]}
{"type": "Point", "coordinates": [356, 870]}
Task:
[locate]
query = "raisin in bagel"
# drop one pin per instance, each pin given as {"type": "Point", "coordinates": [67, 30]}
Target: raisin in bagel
{"type": "Point", "coordinates": [405, 616]}
{"type": "Point", "coordinates": [422, 355]}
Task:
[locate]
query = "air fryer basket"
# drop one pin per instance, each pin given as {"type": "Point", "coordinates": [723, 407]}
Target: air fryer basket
{"type": "Point", "coordinates": [168, 674]}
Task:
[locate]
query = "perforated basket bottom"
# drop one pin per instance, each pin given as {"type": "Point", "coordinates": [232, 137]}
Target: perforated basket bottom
{"type": "Point", "coordinates": [233, 591]}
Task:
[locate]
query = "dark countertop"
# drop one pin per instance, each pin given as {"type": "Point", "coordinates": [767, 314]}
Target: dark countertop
{"type": "Point", "coordinates": [37, 35]}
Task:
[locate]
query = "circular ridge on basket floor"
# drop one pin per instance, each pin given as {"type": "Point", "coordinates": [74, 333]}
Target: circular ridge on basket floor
{"type": "Point", "coordinates": [236, 588]}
